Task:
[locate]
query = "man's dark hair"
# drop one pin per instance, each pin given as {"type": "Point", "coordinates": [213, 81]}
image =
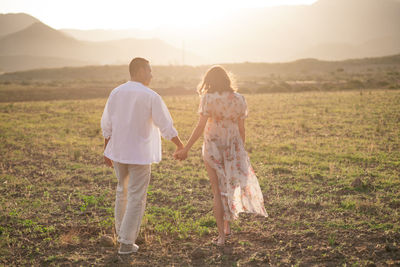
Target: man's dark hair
{"type": "Point", "coordinates": [136, 64]}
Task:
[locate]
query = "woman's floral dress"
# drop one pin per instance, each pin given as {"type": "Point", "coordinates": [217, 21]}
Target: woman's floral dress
{"type": "Point", "coordinates": [223, 150]}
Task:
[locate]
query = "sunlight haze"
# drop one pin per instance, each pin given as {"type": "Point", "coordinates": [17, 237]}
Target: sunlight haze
{"type": "Point", "coordinates": [178, 32]}
{"type": "Point", "coordinates": [142, 15]}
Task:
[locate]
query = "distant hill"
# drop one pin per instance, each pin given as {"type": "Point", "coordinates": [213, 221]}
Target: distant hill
{"type": "Point", "coordinates": [43, 41]}
{"type": "Point", "coordinates": [46, 42]}
{"type": "Point", "coordinates": [10, 23]}
{"type": "Point", "coordinates": [333, 51]}
{"type": "Point", "coordinates": [120, 72]}
{"type": "Point", "coordinates": [24, 62]}
{"type": "Point", "coordinates": [353, 29]}
{"type": "Point", "coordinates": [327, 30]}
{"type": "Point", "coordinates": [291, 77]}
{"type": "Point", "coordinates": [100, 35]}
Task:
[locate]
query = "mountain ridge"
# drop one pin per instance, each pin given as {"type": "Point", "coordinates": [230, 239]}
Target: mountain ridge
{"type": "Point", "coordinates": [13, 22]}
{"type": "Point", "coordinates": [327, 30]}
{"type": "Point", "coordinates": [46, 42]}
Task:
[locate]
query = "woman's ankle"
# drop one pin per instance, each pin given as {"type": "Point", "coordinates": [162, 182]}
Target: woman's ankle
{"type": "Point", "coordinates": [227, 229]}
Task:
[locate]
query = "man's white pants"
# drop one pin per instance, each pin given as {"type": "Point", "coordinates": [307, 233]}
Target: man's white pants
{"type": "Point", "coordinates": [130, 201]}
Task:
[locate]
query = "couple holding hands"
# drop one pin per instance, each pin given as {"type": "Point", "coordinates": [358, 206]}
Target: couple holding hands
{"type": "Point", "coordinates": [134, 117]}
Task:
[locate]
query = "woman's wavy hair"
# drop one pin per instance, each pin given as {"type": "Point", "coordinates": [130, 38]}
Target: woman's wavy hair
{"type": "Point", "coordinates": [217, 79]}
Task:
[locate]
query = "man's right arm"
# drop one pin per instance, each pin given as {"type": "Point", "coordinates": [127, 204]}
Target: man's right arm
{"type": "Point", "coordinates": [163, 120]}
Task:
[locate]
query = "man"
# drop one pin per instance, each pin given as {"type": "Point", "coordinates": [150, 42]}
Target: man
{"type": "Point", "coordinates": [132, 120]}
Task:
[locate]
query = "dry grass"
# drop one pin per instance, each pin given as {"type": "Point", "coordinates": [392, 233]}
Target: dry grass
{"type": "Point", "coordinates": [328, 165]}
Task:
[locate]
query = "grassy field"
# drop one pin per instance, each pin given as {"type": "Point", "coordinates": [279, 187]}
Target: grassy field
{"type": "Point", "coordinates": [328, 165]}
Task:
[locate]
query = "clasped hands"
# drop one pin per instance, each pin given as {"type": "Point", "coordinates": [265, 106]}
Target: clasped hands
{"type": "Point", "coordinates": [181, 153]}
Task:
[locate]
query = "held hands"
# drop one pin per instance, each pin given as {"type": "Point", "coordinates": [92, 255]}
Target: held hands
{"type": "Point", "coordinates": [181, 154]}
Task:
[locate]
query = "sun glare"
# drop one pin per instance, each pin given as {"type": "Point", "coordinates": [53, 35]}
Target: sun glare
{"type": "Point", "coordinates": [196, 14]}
{"type": "Point", "coordinates": [144, 15]}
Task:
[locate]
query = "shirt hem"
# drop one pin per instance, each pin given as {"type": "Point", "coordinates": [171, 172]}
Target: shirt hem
{"type": "Point", "coordinates": [132, 161]}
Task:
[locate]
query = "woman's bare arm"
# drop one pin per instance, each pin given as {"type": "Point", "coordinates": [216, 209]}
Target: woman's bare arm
{"type": "Point", "coordinates": [197, 132]}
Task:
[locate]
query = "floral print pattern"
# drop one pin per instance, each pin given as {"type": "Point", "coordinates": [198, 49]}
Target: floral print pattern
{"type": "Point", "coordinates": [223, 150]}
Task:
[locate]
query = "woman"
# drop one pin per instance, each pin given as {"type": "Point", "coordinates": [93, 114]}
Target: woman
{"type": "Point", "coordinates": [234, 184]}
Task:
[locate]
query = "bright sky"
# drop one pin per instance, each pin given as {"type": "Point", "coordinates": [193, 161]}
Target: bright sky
{"type": "Point", "coordinates": [133, 14]}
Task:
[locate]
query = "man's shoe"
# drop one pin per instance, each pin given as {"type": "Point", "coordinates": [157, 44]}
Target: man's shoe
{"type": "Point", "coordinates": [127, 248]}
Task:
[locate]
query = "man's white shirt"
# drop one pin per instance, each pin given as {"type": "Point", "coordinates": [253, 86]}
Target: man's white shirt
{"type": "Point", "coordinates": [133, 118]}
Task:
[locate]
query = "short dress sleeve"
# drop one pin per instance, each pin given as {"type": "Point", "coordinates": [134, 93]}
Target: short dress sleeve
{"type": "Point", "coordinates": [244, 110]}
{"type": "Point", "coordinates": [204, 108]}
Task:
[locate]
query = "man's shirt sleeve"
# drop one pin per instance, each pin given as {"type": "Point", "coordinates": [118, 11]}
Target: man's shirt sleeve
{"type": "Point", "coordinates": [106, 121]}
{"type": "Point", "coordinates": [162, 118]}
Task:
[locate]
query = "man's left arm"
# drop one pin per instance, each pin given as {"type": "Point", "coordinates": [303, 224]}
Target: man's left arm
{"type": "Point", "coordinates": [163, 120]}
